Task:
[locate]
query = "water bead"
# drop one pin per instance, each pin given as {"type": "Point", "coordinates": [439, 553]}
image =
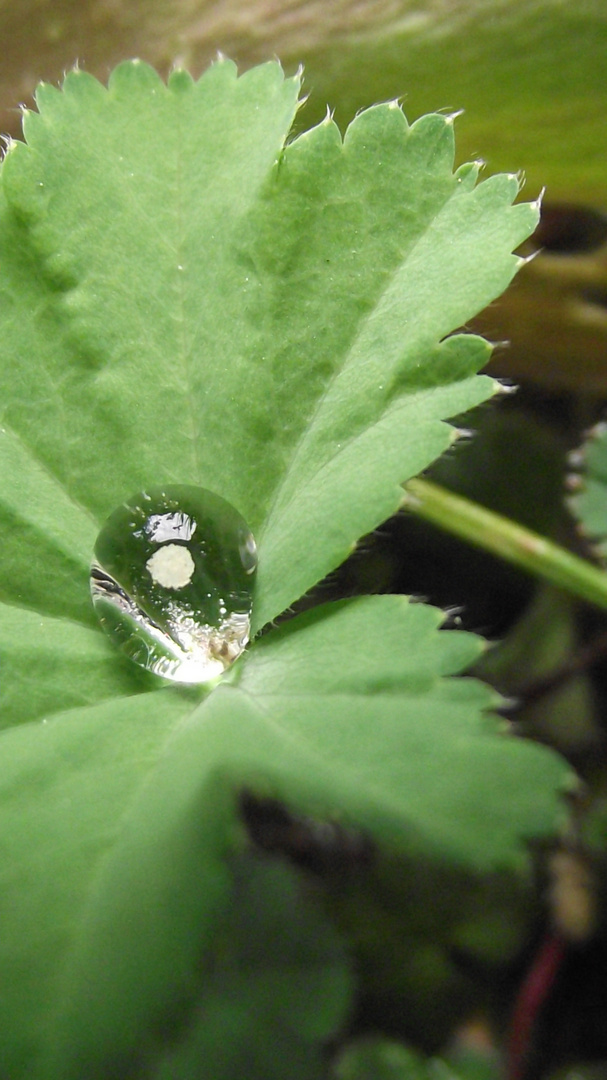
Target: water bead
{"type": "Point", "coordinates": [172, 582]}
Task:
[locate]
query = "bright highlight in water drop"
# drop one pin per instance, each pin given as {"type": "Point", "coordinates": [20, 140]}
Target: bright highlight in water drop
{"type": "Point", "coordinates": [172, 582]}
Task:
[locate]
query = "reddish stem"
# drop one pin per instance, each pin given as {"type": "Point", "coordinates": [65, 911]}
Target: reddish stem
{"type": "Point", "coordinates": [531, 998]}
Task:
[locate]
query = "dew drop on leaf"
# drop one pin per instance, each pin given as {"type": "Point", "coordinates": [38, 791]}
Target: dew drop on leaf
{"type": "Point", "coordinates": [172, 582]}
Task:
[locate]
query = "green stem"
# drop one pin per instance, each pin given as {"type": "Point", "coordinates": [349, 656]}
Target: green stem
{"type": "Point", "coordinates": [506, 539]}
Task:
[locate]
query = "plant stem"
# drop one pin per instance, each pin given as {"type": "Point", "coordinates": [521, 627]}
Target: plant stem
{"type": "Point", "coordinates": [533, 995]}
{"type": "Point", "coordinates": [505, 538]}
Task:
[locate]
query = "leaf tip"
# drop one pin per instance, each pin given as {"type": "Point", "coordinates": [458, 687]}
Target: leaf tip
{"type": "Point", "coordinates": [536, 204]}
{"type": "Point", "coordinates": [461, 434]}
{"type": "Point", "coordinates": [77, 83]}
{"type": "Point", "coordinates": [178, 64]}
{"type": "Point", "coordinates": [523, 260]}
{"type": "Point", "coordinates": [504, 386]}
{"type": "Point", "coordinates": [179, 77]}
{"type": "Point", "coordinates": [452, 617]}
{"type": "Point", "coordinates": [574, 483]}
{"type": "Point", "coordinates": [132, 76]}
{"type": "Point", "coordinates": [7, 145]}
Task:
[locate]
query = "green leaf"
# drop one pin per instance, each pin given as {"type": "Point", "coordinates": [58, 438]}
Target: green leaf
{"type": "Point", "coordinates": [589, 503]}
{"type": "Point", "coordinates": [402, 742]}
{"type": "Point", "coordinates": [183, 299]}
{"type": "Point", "coordinates": [67, 788]}
{"type": "Point", "coordinates": [268, 323]}
{"type": "Point", "coordinates": [47, 537]}
{"type": "Point", "coordinates": [277, 990]}
{"type": "Point", "coordinates": [344, 712]}
{"type": "Point", "coordinates": [73, 667]}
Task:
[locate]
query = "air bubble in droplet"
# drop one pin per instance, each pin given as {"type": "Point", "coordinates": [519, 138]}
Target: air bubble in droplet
{"type": "Point", "coordinates": [172, 582]}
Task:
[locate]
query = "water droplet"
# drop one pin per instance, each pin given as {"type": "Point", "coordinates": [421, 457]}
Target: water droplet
{"type": "Point", "coordinates": [172, 582]}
